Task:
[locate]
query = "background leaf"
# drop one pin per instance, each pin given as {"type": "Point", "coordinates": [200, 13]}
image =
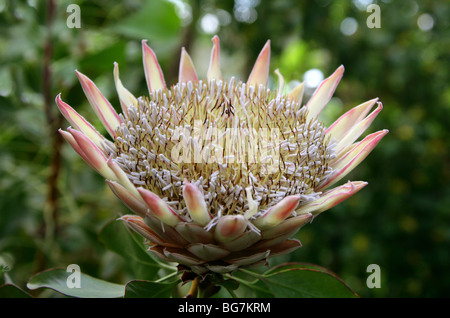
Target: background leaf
{"type": "Point", "coordinates": [91, 287]}
{"type": "Point", "coordinates": [12, 291]}
{"type": "Point", "coordinates": [155, 20]}
{"type": "Point", "coordinates": [306, 283]}
{"type": "Point", "coordinates": [119, 239]}
{"type": "Point", "coordinates": [146, 289]}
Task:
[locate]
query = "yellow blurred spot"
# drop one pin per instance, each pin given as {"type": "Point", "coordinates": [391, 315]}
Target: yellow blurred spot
{"type": "Point", "coordinates": [405, 132]}
{"type": "Point", "coordinates": [408, 224]}
{"type": "Point", "coordinates": [438, 235]}
{"type": "Point", "coordinates": [417, 113]}
{"type": "Point", "coordinates": [419, 177]}
{"type": "Point", "coordinates": [399, 186]}
{"type": "Point", "coordinates": [360, 243]}
{"type": "Point", "coordinates": [414, 287]}
{"type": "Point", "coordinates": [437, 147]}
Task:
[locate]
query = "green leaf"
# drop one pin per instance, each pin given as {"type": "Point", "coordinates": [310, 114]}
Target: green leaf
{"type": "Point", "coordinates": [155, 20]}
{"type": "Point", "coordinates": [302, 282]}
{"type": "Point", "coordinates": [12, 291]}
{"type": "Point", "coordinates": [147, 289]}
{"type": "Point", "coordinates": [298, 265]}
{"type": "Point", "coordinates": [90, 287]}
{"type": "Point", "coordinates": [103, 60]}
{"type": "Point", "coordinates": [118, 238]}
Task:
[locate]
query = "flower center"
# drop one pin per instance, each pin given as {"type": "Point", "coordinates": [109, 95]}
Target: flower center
{"type": "Point", "coordinates": [230, 139]}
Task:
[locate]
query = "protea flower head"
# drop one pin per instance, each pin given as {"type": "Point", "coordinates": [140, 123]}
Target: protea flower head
{"type": "Point", "coordinates": [221, 173]}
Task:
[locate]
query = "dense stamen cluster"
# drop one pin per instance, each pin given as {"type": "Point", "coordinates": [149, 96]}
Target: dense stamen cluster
{"type": "Point", "coordinates": [230, 139]}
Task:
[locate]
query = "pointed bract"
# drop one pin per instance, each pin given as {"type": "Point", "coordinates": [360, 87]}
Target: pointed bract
{"type": "Point", "coordinates": [137, 224]}
{"type": "Point", "coordinates": [214, 63]}
{"type": "Point", "coordinates": [332, 198]}
{"type": "Point", "coordinates": [196, 204]}
{"type": "Point", "coordinates": [95, 157]}
{"type": "Point", "coordinates": [323, 94]}
{"type": "Point", "coordinates": [79, 122]}
{"type": "Point", "coordinates": [73, 143]}
{"type": "Point", "coordinates": [230, 227]}
{"type": "Point", "coordinates": [358, 129]}
{"type": "Point", "coordinates": [187, 71]}
{"type": "Point", "coordinates": [280, 82]}
{"type": "Point", "coordinates": [121, 176]}
{"type": "Point", "coordinates": [101, 106]}
{"type": "Point", "coordinates": [291, 224]}
{"type": "Point", "coordinates": [125, 97]}
{"type": "Point", "coordinates": [343, 125]}
{"type": "Point", "coordinates": [278, 213]}
{"type": "Point", "coordinates": [153, 73]}
{"type": "Point", "coordinates": [296, 95]}
{"type": "Point", "coordinates": [260, 72]}
{"type": "Point", "coordinates": [353, 158]}
{"type": "Point", "coordinates": [134, 203]}
{"type": "Point", "coordinates": [159, 208]}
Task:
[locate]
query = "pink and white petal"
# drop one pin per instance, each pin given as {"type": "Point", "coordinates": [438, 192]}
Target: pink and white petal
{"type": "Point", "coordinates": [323, 94]}
{"type": "Point", "coordinates": [137, 224]}
{"type": "Point", "coordinates": [230, 227]}
{"type": "Point", "coordinates": [93, 154]}
{"type": "Point", "coordinates": [296, 95]}
{"type": "Point", "coordinates": [187, 71]}
{"type": "Point", "coordinates": [159, 208]}
{"type": "Point", "coordinates": [278, 213]}
{"type": "Point", "coordinates": [260, 71]}
{"type": "Point", "coordinates": [153, 73]}
{"type": "Point", "coordinates": [79, 122]}
{"type": "Point", "coordinates": [367, 144]}
{"type": "Point", "coordinates": [214, 63]}
{"type": "Point", "coordinates": [340, 154]}
{"type": "Point", "coordinates": [358, 129]}
{"type": "Point", "coordinates": [285, 247]}
{"type": "Point", "coordinates": [166, 232]}
{"type": "Point", "coordinates": [125, 97]}
{"type": "Point", "coordinates": [182, 256]}
{"type": "Point", "coordinates": [332, 198]}
{"type": "Point", "coordinates": [291, 224]}
{"type": "Point", "coordinates": [158, 251]}
{"type": "Point", "coordinates": [101, 106]}
{"type": "Point", "coordinates": [353, 158]}
{"type": "Point", "coordinates": [196, 204]}
{"type": "Point", "coordinates": [73, 143]}
{"type": "Point", "coordinates": [135, 204]}
{"type": "Point", "coordinates": [344, 123]}
{"type": "Point", "coordinates": [122, 177]}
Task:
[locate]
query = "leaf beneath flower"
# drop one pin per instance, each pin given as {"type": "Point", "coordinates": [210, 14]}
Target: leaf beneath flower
{"type": "Point", "coordinates": [297, 280]}
{"type": "Point", "coordinates": [90, 287]}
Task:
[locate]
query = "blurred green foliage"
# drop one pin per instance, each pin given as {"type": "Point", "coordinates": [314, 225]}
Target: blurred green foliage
{"type": "Point", "coordinates": [400, 221]}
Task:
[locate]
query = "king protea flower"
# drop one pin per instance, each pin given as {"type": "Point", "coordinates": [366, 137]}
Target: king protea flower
{"type": "Point", "coordinates": [221, 173]}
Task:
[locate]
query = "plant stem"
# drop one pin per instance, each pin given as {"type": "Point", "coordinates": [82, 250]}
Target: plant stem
{"type": "Point", "coordinates": [166, 277]}
{"type": "Point", "coordinates": [259, 276]}
{"type": "Point", "coordinates": [193, 291]}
